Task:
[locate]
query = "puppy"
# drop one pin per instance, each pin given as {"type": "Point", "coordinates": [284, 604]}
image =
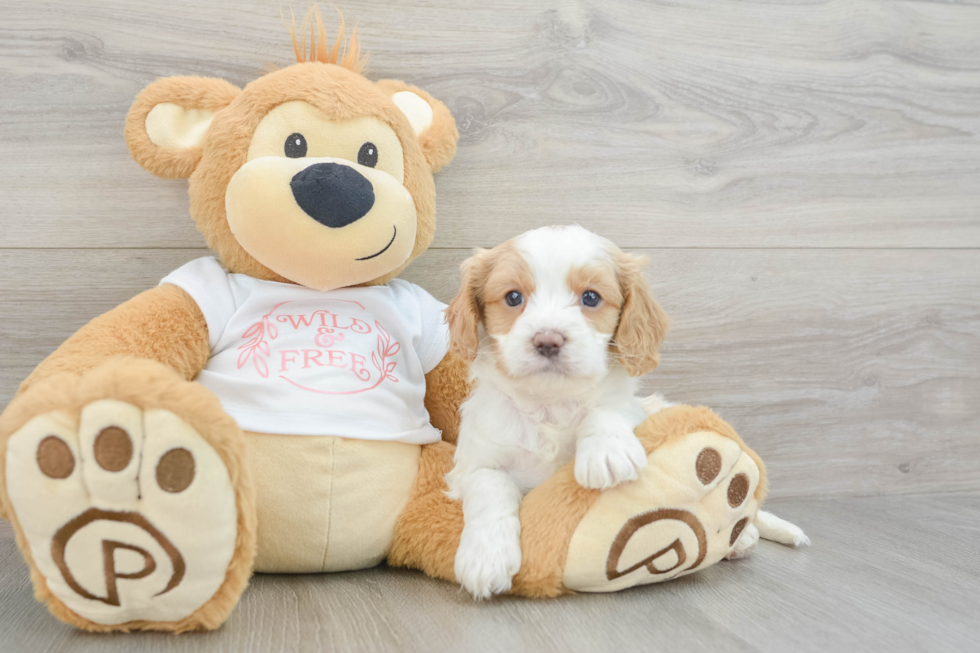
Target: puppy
{"type": "Point", "coordinates": [558, 323]}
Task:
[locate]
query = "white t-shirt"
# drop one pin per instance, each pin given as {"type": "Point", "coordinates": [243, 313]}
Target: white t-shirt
{"type": "Point", "coordinates": [292, 360]}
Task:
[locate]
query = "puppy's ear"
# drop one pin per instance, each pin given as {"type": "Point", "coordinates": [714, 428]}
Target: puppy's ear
{"type": "Point", "coordinates": [430, 119]}
{"type": "Point", "coordinates": [642, 323]}
{"type": "Point", "coordinates": [463, 313]}
{"type": "Point", "coordinates": [169, 120]}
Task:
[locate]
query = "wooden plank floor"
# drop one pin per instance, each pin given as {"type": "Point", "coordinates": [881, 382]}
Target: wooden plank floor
{"type": "Point", "coordinates": [804, 175]}
{"type": "Point", "coordinates": [883, 574]}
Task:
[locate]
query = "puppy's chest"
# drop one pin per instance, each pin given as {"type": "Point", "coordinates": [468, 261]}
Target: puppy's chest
{"type": "Point", "coordinates": [547, 443]}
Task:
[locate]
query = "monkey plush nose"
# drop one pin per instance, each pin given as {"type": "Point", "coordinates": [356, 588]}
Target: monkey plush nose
{"type": "Point", "coordinates": [333, 194]}
{"type": "Point", "coordinates": [548, 343]}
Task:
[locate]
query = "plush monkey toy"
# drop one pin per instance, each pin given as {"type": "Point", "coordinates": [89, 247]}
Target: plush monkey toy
{"type": "Point", "coordinates": [289, 405]}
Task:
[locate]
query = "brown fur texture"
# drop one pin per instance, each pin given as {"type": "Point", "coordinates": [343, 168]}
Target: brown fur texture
{"type": "Point", "coordinates": [147, 385]}
{"type": "Point", "coordinates": [506, 270]}
{"type": "Point", "coordinates": [550, 513]}
{"type": "Point", "coordinates": [642, 323]}
{"type": "Point", "coordinates": [602, 279]}
{"type": "Point", "coordinates": [162, 324]}
{"type": "Point", "coordinates": [488, 276]}
{"type": "Point", "coordinates": [463, 313]}
{"type": "Point", "coordinates": [188, 92]}
{"type": "Point", "coordinates": [438, 142]}
{"type": "Point", "coordinates": [446, 387]}
{"type": "Point", "coordinates": [428, 531]}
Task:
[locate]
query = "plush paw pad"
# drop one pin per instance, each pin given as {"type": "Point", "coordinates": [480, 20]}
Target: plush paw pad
{"type": "Point", "coordinates": [744, 543]}
{"type": "Point", "coordinates": [488, 556]}
{"type": "Point", "coordinates": [129, 514]}
{"type": "Point", "coordinates": [686, 510]}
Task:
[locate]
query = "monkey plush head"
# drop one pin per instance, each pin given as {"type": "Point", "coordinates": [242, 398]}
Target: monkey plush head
{"type": "Point", "coordinates": [311, 174]}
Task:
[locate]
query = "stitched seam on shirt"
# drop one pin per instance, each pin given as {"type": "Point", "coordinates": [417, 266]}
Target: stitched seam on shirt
{"type": "Point", "coordinates": [326, 545]}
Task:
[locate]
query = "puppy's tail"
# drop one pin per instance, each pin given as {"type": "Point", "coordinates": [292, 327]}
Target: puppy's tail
{"type": "Point", "coordinates": [779, 530]}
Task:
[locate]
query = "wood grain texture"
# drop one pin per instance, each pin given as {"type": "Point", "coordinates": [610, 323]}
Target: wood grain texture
{"type": "Point", "coordinates": [851, 372]}
{"type": "Point", "coordinates": [805, 176]}
{"type": "Point", "coordinates": [668, 124]}
{"type": "Point", "coordinates": [884, 574]}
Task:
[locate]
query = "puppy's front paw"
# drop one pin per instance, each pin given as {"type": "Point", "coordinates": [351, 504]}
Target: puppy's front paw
{"type": "Point", "coordinates": [488, 556]}
{"type": "Point", "coordinates": [605, 460]}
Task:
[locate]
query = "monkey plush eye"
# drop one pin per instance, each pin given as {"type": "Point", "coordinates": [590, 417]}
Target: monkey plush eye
{"type": "Point", "coordinates": [591, 298]}
{"type": "Point", "coordinates": [514, 298]}
{"type": "Point", "coordinates": [295, 146]}
{"type": "Point", "coordinates": [368, 155]}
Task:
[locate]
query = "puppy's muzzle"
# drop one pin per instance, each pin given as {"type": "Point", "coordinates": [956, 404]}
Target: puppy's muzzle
{"type": "Point", "coordinates": [333, 194]}
{"type": "Point", "coordinates": [548, 343]}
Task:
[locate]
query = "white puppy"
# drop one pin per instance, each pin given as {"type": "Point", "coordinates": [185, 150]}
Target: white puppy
{"type": "Point", "coordinates": [558, 323]}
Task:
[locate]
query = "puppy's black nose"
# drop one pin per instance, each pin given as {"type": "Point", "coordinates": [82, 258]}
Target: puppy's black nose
{"type": "Point", "coordinates": [548, 343]}
{"type": "Point", "coordinates": [333, 194]}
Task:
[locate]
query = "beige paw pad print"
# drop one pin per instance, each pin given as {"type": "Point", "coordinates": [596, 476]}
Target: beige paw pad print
{"type": "Point", "coordinates": [684, 513]}
{"type": "Point", "coordinates": [129, 514]}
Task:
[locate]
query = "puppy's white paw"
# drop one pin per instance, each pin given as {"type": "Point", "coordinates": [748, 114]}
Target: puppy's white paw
{"type": "Point", "coordinates": [745, 543]}
{"type": "Point", "coordinates": [488, 556]}
{"type": "Point", "coordinates": [605, 460]}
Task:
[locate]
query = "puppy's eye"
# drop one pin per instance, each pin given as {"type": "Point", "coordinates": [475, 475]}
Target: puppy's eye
{"type": "Point", "coordinates": [591, 298]}
{"type": "Point", "coordinates": [295, 146]}
{"type": "Point", "coordinates": [514, 298]}
{"type": "Point", "coordinates": [368, 155]}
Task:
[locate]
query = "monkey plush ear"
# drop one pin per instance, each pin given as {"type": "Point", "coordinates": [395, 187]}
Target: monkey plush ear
{"type": "Point", "coordinates": [433, 124]}
{"type": "Point", "coordinates": [169, 120]}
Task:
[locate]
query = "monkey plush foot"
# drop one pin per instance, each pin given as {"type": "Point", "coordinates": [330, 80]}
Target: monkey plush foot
{"type": "Point", "coordinates": [126, 489]}
{"type": "Point", "coordinates": [688, 508]}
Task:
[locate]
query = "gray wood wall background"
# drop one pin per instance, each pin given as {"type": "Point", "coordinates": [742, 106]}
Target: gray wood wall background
{"type": "Point", "coordinates": [805, 177]}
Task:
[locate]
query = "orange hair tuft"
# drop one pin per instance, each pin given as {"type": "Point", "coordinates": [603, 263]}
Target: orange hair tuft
{"type": "Point", "coordinates": [317, 51]}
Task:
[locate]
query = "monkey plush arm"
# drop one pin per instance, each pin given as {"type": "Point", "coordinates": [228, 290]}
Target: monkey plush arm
{"type": "Point", "coordinates": [163, 324]}
{"type": "Point", "coordinates": [446, 387]}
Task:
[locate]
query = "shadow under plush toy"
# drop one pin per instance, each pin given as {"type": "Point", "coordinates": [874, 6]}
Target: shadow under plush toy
{"type": "Point", "coordinates": [280, 410]}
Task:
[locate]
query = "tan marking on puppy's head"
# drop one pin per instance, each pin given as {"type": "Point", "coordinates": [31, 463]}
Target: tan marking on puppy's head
{"type": "Point", "coordinates": [573, 284]}
{"type": "Point", "coordinates": [463, 315]}
{"type": "Point", "coordinates": [488, 277]}
{"type": "Point", "coordinates": [508, 272]}
{"type": "Point", "coordinates": [642, 323]}
{"type": "Point", "coordinates": [601, 278]}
